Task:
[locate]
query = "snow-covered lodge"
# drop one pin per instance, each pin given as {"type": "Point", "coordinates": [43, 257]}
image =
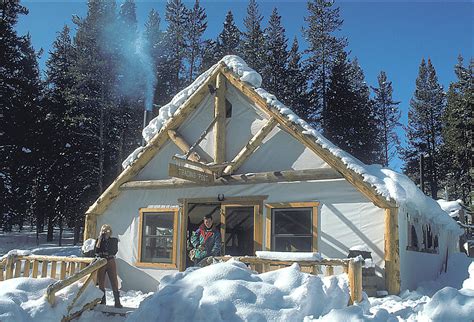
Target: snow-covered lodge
{"type": "Point", "coordinates": [226, 146]}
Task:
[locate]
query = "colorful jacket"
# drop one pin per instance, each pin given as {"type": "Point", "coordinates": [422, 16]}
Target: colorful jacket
{"type": "Point", "coordinates": [210, 239]}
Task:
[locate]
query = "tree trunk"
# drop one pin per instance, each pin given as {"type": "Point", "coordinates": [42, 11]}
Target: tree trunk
{"type": "Point", "coordinates": [49, 235]}
{"type": "Point", "coordinates": [60, 230]}
{"type": "Point", "coordinates": [101, 149]}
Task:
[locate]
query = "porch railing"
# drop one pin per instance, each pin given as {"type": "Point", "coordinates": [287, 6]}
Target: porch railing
{"type": "Point", "coordinates": [351, 266]}
{"type": "Point", "coordinates": [71, 270]}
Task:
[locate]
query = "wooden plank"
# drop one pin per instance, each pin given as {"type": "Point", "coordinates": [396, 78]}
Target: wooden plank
{"type": "Point", "coordinates": [17, 268]}
{"type": "Point", "coordinates": [56, 286]}
{"type": "Point", "coordinates": [150, 150]}
{"type": "Point", "coordinates": [258, 227]}
{"type": "Point", "coordinates": [77, 314]}
{"type": "Point", "coordinates": [268, 228]}
{"type": "Point", "coordinates": [183, 236]}
{"type": "Point", "coordinates": [239, 179]}
{"type": "Point", "coordinates": [184, 146]}
{"type": "Point", "coordinates": [315, 228]}
{"type": "Point", "coordinates": [54, 265]}
{"type": "Point", "coordinates": [35, 268]}
{"type": "Point", "coordinates": [90, 226]}
{"type": "Point", "coordinates": [72, 268]}
{"type": "Point", "coordinates": [219, 114]}
{"type": "Point", "coordinates": [329, 271]}
{"type": "Point", "coordinates": [9, 267]}
{"type": "Point", "coordinates": [189, 174]}
{"type": "Point", "coordinates": [62, 271]}
{"type": "Point", "coordinates": [392, 251]}
{"type": "Point", "coordinates": [297, 131]}
{"type": "Point", "coordinates": [87, 260]}
{"type": "Point", "coordinates": [26, 268]}
{"type": "Point", "coordinates": [223, 215]}
{"type": "Point", "coordinates": [44, 269]}
{"type": "Point", "coordinates": [251, 146]}
{"type": "Point", "coordinates": [355, 281]}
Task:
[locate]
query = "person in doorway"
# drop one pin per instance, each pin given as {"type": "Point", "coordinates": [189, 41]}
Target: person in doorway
{"type": "Point", "coordinates": [106, 247]}
{"type": "Point", "coordinates": [206, 241]}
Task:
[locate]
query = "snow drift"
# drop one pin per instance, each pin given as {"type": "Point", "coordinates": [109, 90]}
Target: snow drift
{"type": "Point", "coordinates": [22, 300]}
{"type": "Point", "coordinates": [231, 292]}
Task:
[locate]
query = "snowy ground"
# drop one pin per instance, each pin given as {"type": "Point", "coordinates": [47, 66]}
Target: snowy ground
{"type": "Point", "coordinates": [229, 291]}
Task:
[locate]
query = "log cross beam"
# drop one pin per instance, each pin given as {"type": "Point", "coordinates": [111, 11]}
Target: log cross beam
{"type": "Point", "coordinates": [219, 114]}
{"type": "Point", "coordinates": [251, 146]}
{"type": "Point", "coordinates": [184, 146]}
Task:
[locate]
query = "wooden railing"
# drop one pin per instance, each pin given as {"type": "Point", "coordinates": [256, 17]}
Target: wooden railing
{"type": "Point", "coordinates": [71, 270]}
{"type": "Point", "coordinates": [352, 267]}
{"type": "Point", "coordinates": [57, 267]}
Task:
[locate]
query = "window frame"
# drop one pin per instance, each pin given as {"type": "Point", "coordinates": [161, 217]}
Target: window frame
{"type": "Point", "coordinates": [313, 205]}
{"type": "Point", "coordinates": [142, 214]}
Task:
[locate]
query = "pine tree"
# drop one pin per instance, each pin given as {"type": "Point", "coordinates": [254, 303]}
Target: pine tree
{"type": "Point", "coordinates": [195, 27]}
{"type": "Point", "coordinates": [229, 39]}
{"type": "Point", "coordinates": [424, 127]}
{"type": "Point", "coordinates": [323, 49]}
{"type": "Point", "coordinates": [253, 42]}
{"type": "Point", "coordinates": [156, 43]}
{"type": "Point", "coordinates": [176, 16]}
{"type": "Point", "coordinates": [275, 68]}
{"type": "Point", "coordinates": [457, 133]}
{"type": "Point", "coordinates": [348, 120]}
{"type": "Point", "coordinates": [295, 93]}
{"type": "Point", "coordinates": [20, 113]}
{"type": "Point", "coordinates": [387, 116]}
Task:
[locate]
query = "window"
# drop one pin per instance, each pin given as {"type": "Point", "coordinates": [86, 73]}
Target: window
{"type": "Point", "coordinates": [421, 237]}
{"type": "Point", "coordinates": [158, 237]}
{"type": "Point", "coordinates": [293, 227]}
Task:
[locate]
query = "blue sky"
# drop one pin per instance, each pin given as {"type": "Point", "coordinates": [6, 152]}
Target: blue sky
{"type": "Point", "coordinates": [384, 35]}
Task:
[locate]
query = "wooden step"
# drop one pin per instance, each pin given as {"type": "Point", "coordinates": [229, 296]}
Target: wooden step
{"type": "Point", "coordinates": [111, 310]}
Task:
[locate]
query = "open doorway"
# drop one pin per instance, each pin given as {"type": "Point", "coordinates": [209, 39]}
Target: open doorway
{"type": "Point", "coordinates": [238, 230]}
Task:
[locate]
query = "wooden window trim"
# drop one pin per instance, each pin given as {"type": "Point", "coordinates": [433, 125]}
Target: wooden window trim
{"type": "Point", "coordinates": [173, 264]}
{"type": "Point", "coordinates": [257, 220]}
{"type": "Point", "coordinates": [282, 205]}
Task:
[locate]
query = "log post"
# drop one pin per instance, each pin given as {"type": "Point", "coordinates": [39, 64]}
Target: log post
{"type": "Point", "coordinates": [219, 114]}
{"type": "Point", "coordinates": [35, 268]}
{"type": "Point", "coordinates": [355, 281]}
{"type": "Point", "coordinates": [329, 271]}
{"type": "Point", "coordinates": [17, 268]}
{"type": "Point", "coordinates": [392, 251]}
{"type": "Point", "coordinates": [9, 266]}
{"type": "Point", "coordinates": [26, 269]}
{"type": "Point", "coordinates": [184, 146]}
{"type": "Point", "coordinates": [62, 272]}
{"type": "Point", "coordinates": [53, 269]}
{"type": "Point", "coordinates": [90, 226]}
{"type": "Point", "coordinates": [44, 269]}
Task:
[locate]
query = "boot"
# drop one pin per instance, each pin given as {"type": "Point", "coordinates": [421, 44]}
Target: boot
{"type": "Point", "coordinates": [117, 300]}
{"type": "Point", "coordinates": [103, 299]}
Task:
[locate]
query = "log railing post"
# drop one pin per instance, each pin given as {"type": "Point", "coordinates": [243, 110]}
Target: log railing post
{"type": "Point", "coordinates": [9, 266]}
{"type": "Point", "coordinates": [26, 268]}
{"type": "Point", "coordinates": [35, 268]}
{"type": "Point", "coordinates": [355, 280]}
{"type": "Point", "coordinates": [44, 268]}
{"type": "Point", "coordinates": [329, 270]}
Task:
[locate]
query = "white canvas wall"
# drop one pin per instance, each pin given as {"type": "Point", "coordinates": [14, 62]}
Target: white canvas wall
{"type": "Point", "coordinates": [346, 219]}
{"type": "Point", "coordinates": [417, 267]}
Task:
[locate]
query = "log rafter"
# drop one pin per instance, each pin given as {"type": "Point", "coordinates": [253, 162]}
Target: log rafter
{"type": "Point", "coordinates": [251, 146]}
{"type": "Point", "coordinates": [297, 131]}
{"type": "Point", "coordinates": [181, 143]}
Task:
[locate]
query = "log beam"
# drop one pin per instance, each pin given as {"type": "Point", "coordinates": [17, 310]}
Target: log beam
{"type": "Point", "coordinates": [297, 131]}
{"type": "Point", "coordinates": [238, 179]}
{"type": "Point", "coordinates": [153, 146]}
{"type": "Point", "coordinates": [392, 251]}
{"type": "Point", "coordinates": [251, 146]}
{"type": "Point", "coordinates": [219, 114]}
{"type": "Point", "coordinates": [184, 146]}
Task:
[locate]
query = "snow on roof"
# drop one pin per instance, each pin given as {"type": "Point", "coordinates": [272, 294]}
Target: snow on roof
{"type": "Point", "coordinates": [451, 207]}
{"type": "Point", "coordinates": [388, 183]}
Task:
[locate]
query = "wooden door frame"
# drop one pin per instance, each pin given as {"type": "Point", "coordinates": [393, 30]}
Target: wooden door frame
{"type": "Point", "coordinates": [242, 201]}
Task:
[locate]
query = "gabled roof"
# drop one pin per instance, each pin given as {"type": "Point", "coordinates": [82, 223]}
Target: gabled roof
{"type": "Point", "coordinates": [384, 187]}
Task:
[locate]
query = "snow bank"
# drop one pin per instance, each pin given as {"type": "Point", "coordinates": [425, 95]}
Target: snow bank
{"type": "Point", "coordinates": [287, 256]}
{"type": "Point", "coordinates": [88, 245]}
{"type": "Point", "coordinates": [22, 300]}
{"type": "Point", "coordinates": [469, 282]}
{"type": "Point", "coordinates": [230, 291]}
{"type": "Point", "coordinates": [16, 252]}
